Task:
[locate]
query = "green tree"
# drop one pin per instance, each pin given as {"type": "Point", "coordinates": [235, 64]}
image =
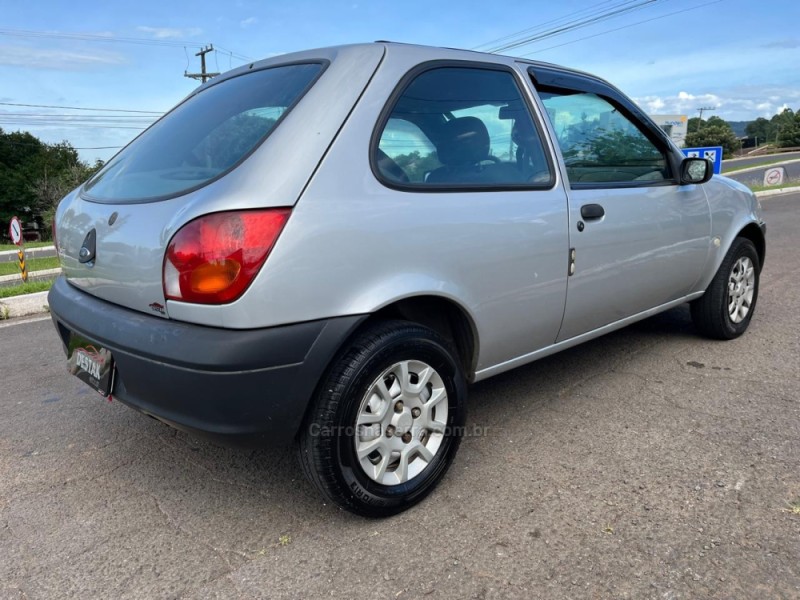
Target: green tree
{"type": "Point", "coordinates": [20, 155]}
{"type": "Point", "coordinates": [714, 132]}
{"type": "Point", "coordinates": [761, 129]}
{"type": "Point", "coordinates": [786, 124]}
{"type": "Point", "coordinates": [33, 174]}
{"type": "Point", "coordinates": [715, 121]}
{"type": "Point", "coordinates": [789, 134]}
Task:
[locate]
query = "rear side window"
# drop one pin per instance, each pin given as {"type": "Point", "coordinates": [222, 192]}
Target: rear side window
{"type": "Point", "coordinates": [456, 127]}
{"type": "Point", "coordinates": [203, 138]}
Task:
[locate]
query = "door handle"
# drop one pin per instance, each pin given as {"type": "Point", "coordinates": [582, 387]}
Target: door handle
{"type": "Point", "coordinates": [592, 211]}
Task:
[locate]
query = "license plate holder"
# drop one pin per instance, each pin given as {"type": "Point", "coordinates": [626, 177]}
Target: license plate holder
{"type": "Point", "coordinates": [91, 363]}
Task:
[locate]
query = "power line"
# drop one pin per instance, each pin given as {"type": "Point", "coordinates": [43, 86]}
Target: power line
{"type": "Point", "coordinates": [607, 31]}
{"type": "Point", "coordinates": [50, 145]}
{"type": "Point", "coordinates": [616, 11]}
{"type": "Point", "coordinates": [69, 125]}
{"type": "Point", "coordinates": [233, 54]}
{"type": "Point", "coordinates": [74, 116]}
{"type": "Point", "coordinates": [93, 37]}
{"type": "Point", "coordinates": [544, 24]}
{"type": "Point", "coordinates": [121, 110]}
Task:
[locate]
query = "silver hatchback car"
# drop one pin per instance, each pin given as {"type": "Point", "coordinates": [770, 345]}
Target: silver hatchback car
{"type": "Point", "coordinates": [326, 247]}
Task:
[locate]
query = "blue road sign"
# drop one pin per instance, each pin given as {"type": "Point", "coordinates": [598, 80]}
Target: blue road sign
{"type": "Point", "coordinates": [712, 153]}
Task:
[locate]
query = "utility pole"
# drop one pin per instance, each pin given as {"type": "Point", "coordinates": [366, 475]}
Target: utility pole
{"type": "Point", "coordinates": [701, 110]}
{"type": "Point", "coordinates": [203, 75]}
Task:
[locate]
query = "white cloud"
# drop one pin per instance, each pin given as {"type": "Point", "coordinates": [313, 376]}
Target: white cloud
{"type": "Point", "coordinates": [166, 33]}
{"type": "Point", "coordinates": [739, 81]}
{"type": "Point", "coordinates": [736, 104]}
{"type": "Point", "coordinates": [62, 60]}
{"type": "Point", "coordinates": [245, 23]}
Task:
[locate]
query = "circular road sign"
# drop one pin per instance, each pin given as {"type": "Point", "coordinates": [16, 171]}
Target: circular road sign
{"type": "Point", "coordinates": [773, 176]}
{"type": "Point", "coordinates": [15, 231]}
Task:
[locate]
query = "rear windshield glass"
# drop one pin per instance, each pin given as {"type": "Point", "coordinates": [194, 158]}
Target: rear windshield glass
{"type": "Point", "coordinates": [204, 137]}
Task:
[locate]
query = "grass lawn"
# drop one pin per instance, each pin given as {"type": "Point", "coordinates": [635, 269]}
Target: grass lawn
{"type": "Point", "coordinates": [25, 288]}
{"type": "Point", "coordinates": [34, 264]}
{"type": "Point", "coordinates": [27, 245]}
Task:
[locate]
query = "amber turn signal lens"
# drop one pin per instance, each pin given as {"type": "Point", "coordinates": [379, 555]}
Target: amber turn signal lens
{"type": "Point", "coordinates": [211, 278]}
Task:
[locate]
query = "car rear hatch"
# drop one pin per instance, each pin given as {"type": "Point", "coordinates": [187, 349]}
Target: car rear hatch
{"type": "Point", "coordinates": [247, 140]}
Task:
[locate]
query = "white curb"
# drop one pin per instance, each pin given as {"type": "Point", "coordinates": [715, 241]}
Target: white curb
{"type": "Point", "coordinates": [22, 306]}
{"type": "Point", "coordinates": [787, 190]}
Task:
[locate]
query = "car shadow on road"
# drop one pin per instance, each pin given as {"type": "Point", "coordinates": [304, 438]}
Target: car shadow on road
{"type": "Point", "coordinates": [670, 327]}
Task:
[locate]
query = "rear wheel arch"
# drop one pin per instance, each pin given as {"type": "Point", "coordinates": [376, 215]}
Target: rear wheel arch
{"type": "Point", "coordinates": [442, 315]}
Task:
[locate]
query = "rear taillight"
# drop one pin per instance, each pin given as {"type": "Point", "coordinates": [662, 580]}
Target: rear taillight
{"type": "Point", "coordinates": [213, 259]}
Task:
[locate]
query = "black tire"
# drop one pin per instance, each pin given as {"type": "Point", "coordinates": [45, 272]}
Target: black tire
{"type": "Point", "coordinates": [710, 311]}
{"type": "Point", "coordinates": [327, 442]}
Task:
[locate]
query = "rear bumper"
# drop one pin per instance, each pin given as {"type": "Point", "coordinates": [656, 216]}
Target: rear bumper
{"type": "Point", "coordinates": [247, 387]}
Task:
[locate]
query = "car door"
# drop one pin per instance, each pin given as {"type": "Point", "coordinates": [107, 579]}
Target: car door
{"type": "Point", "coordinates": [638, 239]}
{"type": "Point", "coordinates": [462, 145]}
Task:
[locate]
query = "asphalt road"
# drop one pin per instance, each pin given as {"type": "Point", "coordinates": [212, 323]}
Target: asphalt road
{"type": "Point", "coordinates": [754, 161]}
{"type": "Point", "coordinates": [648, 464]}
{"type": "Point", "coordinates": [755, 176]}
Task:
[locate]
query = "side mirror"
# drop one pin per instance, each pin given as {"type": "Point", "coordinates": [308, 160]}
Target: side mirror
{"type": "Point", "coordinates": [696, 170]}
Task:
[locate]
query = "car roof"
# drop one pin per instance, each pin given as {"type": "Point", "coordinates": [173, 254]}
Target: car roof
{"type": "Point", "coordinates": [398, 48]}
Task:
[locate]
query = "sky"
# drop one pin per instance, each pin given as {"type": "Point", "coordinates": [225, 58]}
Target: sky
{"type": "Point", "coordinates": [672, 56]}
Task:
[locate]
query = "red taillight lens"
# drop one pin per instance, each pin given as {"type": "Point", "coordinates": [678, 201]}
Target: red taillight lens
{"type": "Point", "coordinates": [213, 259]}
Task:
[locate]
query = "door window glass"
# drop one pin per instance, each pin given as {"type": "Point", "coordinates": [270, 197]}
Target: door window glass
{"type": "Point", "coordinates": [599, 143]}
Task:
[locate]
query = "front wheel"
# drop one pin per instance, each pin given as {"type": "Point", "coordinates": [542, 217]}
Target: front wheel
{"type": "Point", "coordinates": [386, 421]}
{"type": "Point", "coordinates": [725, 310]}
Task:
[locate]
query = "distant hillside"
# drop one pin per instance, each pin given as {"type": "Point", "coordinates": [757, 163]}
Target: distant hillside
{"type": "Point", "coordinates": [738, 127]}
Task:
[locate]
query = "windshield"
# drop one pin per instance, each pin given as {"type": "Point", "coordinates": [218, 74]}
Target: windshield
{"type": "Point", "coordinates": [203, 138]}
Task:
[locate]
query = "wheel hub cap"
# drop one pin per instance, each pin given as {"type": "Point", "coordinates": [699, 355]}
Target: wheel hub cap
{"type": "Point", "coordinates": [401, 422]}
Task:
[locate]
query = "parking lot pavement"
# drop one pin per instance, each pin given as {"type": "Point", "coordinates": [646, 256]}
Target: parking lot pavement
{"type": "Point", "coordinates": [650, 463]}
